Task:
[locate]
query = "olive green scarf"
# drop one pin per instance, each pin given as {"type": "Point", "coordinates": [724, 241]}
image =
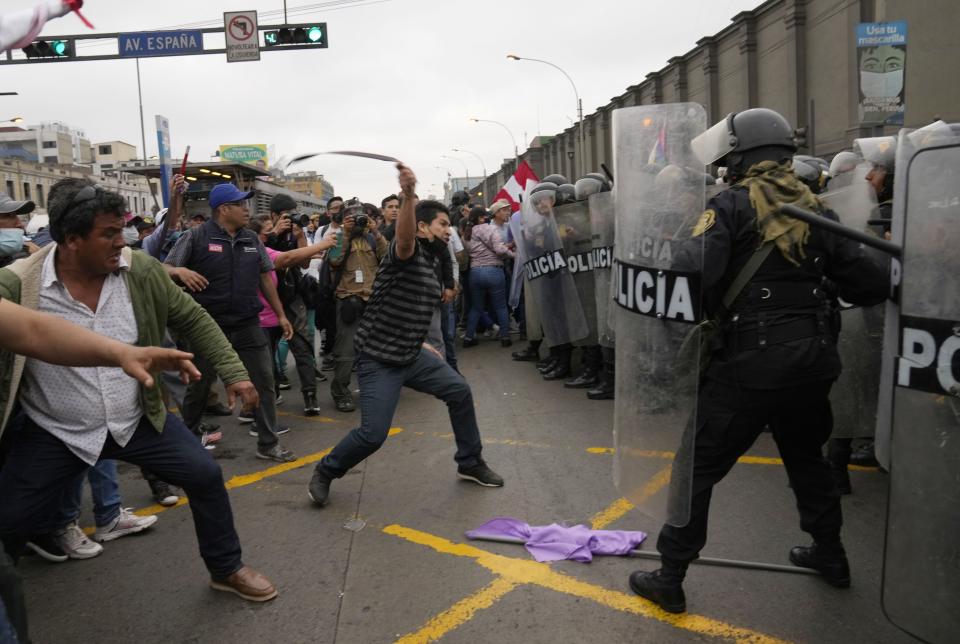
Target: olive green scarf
{"type": "Point", "coordinates": [771, 185]}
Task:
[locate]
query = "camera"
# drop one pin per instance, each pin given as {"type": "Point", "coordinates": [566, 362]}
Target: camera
{"type": "Point", "coordinates": [361, 222]}
{"type": "Point", "coordinates": [299, 219]}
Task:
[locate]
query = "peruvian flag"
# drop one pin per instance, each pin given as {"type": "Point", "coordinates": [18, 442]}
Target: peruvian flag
{"type": "Point", "coordinates": [517, 185]}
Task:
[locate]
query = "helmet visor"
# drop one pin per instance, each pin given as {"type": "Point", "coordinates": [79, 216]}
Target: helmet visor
{"type": "Point", "coordinates": [715, 143]}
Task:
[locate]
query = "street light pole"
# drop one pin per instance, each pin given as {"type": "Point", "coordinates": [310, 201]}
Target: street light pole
{"type": "Point", "coordinates": [516, 154]}
{"type": "Point", "coordinates": [579, 140]}
{"type": "Point", "coordinates": [483, 166]}
{"type": "Point", "coordinates": [465, 169]}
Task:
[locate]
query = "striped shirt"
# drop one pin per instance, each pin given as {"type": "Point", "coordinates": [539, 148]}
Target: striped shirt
{"type": "Point", "coordinates": [405, 295]}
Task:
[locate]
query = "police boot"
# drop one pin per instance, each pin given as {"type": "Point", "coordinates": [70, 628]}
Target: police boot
{"type": "Point", "coordinates": [829, 559]}
{"type": "Point", "coordinates": [838, 455]}
{"type": "Point", "coordinates": [530, 354]}
{"type": "Point", "coordinates": [864, 455]}
{"type": "Point", "coordinates": [562, 368]}
{"type": "Point", "coordinates": [548, 363]}
{"type": "Point", "coordinates": [664, 587]}
{"type": "Point", "coordinates": [604, 390]}
{"type": "Point", "coordinates": [590, 376]}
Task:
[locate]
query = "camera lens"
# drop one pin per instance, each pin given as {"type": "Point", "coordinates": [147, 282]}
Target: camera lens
{"type": "Point", "coordinates": [361, 221]}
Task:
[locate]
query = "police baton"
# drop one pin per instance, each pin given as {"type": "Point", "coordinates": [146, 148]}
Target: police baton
{"type": "Point", "coordinates": [839, 229]}
{"type": "Point", "coordinates": [705, 561]}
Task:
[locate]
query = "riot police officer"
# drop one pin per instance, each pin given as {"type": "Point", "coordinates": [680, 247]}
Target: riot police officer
{"type": "Point", "coordinates": [778, 357]}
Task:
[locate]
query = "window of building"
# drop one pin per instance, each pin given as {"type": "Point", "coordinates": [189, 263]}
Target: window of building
{"type": "Point", "coordinates": [49, 145]}
{"type": "Point", "coordinates": [106, 166]}
{"type": "Point", "coordinates": [26, 191]}
{"type": "Point", "coordinates": [105, 149]}
{"type": "Point", "coordinates": [10, 189]}
{"type": "Point", "coordinates": [40, 196]}
{"type": "Point", "coordinates": [143, 204]}
{"type": "Point", "coordinates": [51, 160]}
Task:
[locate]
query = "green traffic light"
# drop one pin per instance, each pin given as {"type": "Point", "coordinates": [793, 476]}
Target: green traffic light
{"type": "Point", "coordinates": [270, 37]}
{"type": "Point", "coordinates": [59, 47]}
{"type": "Point", "coordinates": [314, 34]}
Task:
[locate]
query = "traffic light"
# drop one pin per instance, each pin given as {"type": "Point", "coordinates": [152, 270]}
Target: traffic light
{"type": "Point", "coordinates": [50, 49]}
{"type": "Point", "coordinates": [309, 35]}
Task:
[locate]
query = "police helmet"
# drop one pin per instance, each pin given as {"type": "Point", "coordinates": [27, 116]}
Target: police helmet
{"type": "Point", "coordinates": [745, 138]}
{"type": "Point", "coordinates": [844, 161]}
{"type": "Point", "coordinates": [878, 150]}
{"type": "Point", "coordinates": [543, 191]}
{"type": "Point", "coordinates": [566, 193]}
{"type": "Point", "coordinates": [807, 172]}
{"type": "Point", "coordinates": [558, 179]}
{"type": "Point", "coordinates": [586, 186]}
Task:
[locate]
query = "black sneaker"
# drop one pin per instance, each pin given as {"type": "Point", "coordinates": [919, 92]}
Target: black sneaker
{"type": "Point", "coordinates": [319, 489]}
{"type": "Point", "coordinates": [255, 432]}
{"type": "Point", "coordinates": [663, 590]}
{"type": "Point", "coordinates": [219, 409]}
{"type": "Point", "coordinates": [831, 562]}
{"type": "Point", "coordinates": [345, 404]}
{"type": "Point", "coordinates": [318, 376]}
{"type": "Point", "coordinates": [481, 475]}
{"type": "Point", "coordinates": [277, 453]}
{"type": "Point", "coordinates": [328, 364]}
{"type": "Point", "coordinates": [283, 382]}
{"type": "Point", "coordinates": [163, 493]}
{"type": "Point", "coordinates": [310, 406]}
{"type": "Point", "coordinates": [246, 416]}
{"type": "Point", "coordinates": [470, 342]}
{"type": "Point", "coordinates": [47, 546]}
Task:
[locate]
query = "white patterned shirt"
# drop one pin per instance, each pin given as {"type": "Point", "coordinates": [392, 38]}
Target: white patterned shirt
{"type": "Point", "coordinates": [79, 405]}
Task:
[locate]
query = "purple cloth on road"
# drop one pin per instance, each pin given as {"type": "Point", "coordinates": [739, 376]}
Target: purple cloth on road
{"type": "Point", "coordinates": [555, 542]}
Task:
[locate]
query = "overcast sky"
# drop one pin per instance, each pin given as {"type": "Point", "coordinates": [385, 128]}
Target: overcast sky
{"type": "Point", "coordinates": [401, 77]}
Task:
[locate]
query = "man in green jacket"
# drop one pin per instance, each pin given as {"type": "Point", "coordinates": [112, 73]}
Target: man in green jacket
{"type": "Point", "coordinates": [68, 418]}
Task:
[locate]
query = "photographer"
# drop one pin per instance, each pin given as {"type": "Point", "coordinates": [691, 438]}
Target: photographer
{"type": "Point", "coordinates": [407, 287]}
{"type": "Point", "coordinates": [353, 262]}
{"type": "Point", "coordinates": [294, 289]}
{"type": "Point", "coordinates": [326, 320]}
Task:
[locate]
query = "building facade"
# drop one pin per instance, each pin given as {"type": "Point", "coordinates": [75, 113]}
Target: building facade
{"type": "Point", "coordinates": [798, 57]}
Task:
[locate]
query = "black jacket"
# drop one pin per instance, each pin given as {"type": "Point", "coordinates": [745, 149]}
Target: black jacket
{"type": "Point", "coordinates": [779, 332]}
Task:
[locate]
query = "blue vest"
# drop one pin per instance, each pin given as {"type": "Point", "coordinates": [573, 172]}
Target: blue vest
{"type": "Point", "coordinates": [232, 268]}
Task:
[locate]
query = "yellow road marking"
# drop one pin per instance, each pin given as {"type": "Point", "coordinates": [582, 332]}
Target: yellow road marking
{"type": "Point", "coordinates": [460, 613]}
{"type": "Point", "coordinates": [315, 419]}
{"type": "Point", "coordinates": [522, 571]}
{"type": "Point", "coordinates": [500, 441]}
{"type": "Point", "coordinates": [621, 506]}
{"type": "Point", "coordinates": [752, 460]}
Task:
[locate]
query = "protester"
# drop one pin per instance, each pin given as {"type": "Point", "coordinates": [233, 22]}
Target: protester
{"type": "Point", "coordinates": [12, 243]}
{"type": "Point", "coordinates": [408, 286]}
{"type": "Point", "coordinates": [353, 262]}
{"type": "Point", "coordinates": [390, 208]}
{"type": "Point", "coordinates": [234, 264]}
{"type": "Point", "coordinates": [73, 416]}
{"type": "Point", "coordinates": [487, 277]}
{"type": "Point", "coordinates": [326, 321]}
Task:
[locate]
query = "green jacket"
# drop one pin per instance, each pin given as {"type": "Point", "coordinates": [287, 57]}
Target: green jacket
{"type": "Point", "coordinates": [158, 303]}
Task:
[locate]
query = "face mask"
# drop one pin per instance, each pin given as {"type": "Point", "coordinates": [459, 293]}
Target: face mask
{"type": "Point", "coordinates": [130, 235]}
{"type": "Point", "coordinates": [438, 246]}
{"type": "Point", "coordinates": [11, 241]}
{"type": "Point", "coordinates": [881, 84]}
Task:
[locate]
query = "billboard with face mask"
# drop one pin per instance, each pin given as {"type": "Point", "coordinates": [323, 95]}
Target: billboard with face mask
{"type": "Point", "coordinates": [881, 66]}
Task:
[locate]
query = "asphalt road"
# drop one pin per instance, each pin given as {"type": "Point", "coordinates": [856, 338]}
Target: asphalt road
{"type": "Point", "coordinates": [387, 559]}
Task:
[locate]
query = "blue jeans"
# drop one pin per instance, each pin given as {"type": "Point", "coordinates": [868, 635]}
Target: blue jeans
{"type": "Point", "coordinates": [448, 325]}
{"type": "Point", "coordinates": [105, 490]}
{"type": "Point", "coordinates": [39, 468]}
{"type": "Point", "coordinates": [380, 386]}
{"type": "Point", "coordinates": [483, 280]}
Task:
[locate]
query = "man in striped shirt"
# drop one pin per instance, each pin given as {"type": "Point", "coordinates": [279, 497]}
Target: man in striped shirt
{"type": "Point", "coordinates": [391, 352]}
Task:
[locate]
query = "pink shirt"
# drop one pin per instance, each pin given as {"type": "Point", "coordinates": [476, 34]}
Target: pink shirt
{"type": "Point", "coordinates": [267, 317]}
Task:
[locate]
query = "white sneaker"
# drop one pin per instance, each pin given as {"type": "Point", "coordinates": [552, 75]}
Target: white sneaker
{"type": "Point", "coordinates": [125, 523]}
{"type": "Point", "coordinates": [75, 543]}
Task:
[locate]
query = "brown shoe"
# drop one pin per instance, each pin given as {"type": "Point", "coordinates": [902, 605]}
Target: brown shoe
{"type": "Point", "coordinates": [247, 583]}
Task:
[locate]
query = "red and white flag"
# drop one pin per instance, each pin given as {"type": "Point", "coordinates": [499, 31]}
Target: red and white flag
{"type": "Point", "coordinates": [517, 185]}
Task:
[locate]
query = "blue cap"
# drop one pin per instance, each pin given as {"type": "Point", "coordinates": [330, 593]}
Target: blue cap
{"type": "Point", "coordinates": [225, 193]}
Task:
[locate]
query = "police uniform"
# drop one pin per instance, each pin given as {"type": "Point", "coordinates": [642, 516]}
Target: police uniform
{"type": "Point", "coordinates": [776, 366]}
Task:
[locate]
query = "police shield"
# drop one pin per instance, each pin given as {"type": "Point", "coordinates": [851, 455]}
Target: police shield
{"type": "Point", "coordinates": [854, 396]}
{"type": "Point", "coordinates": [573, 224]}
{"type": "Point", "coordinates": [658, 201]}
{"type": "Point", "coordinates": [602, 228]}
{"type": "Point", "coordinates": [921, 579]}
{"type": "Point", "coordinates": [546, 271]}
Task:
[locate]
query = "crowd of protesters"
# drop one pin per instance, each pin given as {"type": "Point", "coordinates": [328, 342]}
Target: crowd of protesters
{"type": "Point", "coordinates": [376, 291]}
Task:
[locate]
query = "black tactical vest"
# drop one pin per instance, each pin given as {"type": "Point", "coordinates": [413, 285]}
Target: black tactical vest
{"type": "Point", "coordinates": [232, 268]}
